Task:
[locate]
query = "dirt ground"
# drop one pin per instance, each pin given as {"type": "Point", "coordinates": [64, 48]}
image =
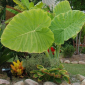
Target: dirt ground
{"type": "Point", "coordinates": [80, 57]}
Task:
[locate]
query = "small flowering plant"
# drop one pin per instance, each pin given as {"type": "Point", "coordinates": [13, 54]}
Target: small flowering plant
{"type": "Point", "coordinates": [17, 68]}
{"type": "Point", "coordinates": [51, 51]}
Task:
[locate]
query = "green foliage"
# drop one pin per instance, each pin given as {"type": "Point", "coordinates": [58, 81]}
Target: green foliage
{"type": "Point", "coordinates": [68, 51]}
{"type": "Point", "coordinates": [83, 50]}
{"type": "Point", "coordinates": [77, 4]}
{"type": "Point", "coordinates": [35, 1]}
{"type": "Point", "coordinates": [17, 7]}
{"type": "Point", "coordinates": [20, 4]}
{"type": "Point", "coordinates": [7, 2]}
{"type": "Point", "coordinates": [31, 63]}
{"type": "Point", "coordinates": [36, 36]}
{"type": "Point", "coordinates": [12, 11]}
{"type": "Point", "coordinates": [62, 7]}
{"type": "Point", "coordinates": [56, 74]}
{"type": "Point", "coordinates": [1, 10]}
{"type": "Point", "coordinates": [39, 5]}
{"type": "Point", "coordinates": [31, 5]}
{"type": "Point", "coordinates": [5, 53]}
{"type": "Point", "coordinates": [83, 30]}
{"type": "Point", "coordinates": [29, 31]}
{"type": "Point", "coordinates": [26, 3]}
{"type": "Point", "coordinates": [65, 25]}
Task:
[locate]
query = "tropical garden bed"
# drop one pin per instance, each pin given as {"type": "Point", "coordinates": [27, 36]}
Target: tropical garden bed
{"type": "Point", "coordinates": [36, 35]}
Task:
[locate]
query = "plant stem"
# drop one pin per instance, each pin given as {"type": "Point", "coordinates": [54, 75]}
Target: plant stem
{"type": "Point", "coordinates": [47, 54]}
{"type": "Point", "coordinates": [57, 53]}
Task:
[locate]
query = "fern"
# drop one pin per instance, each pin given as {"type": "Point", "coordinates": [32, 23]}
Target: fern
{"type": "Point", "coordinates": [20, 4]}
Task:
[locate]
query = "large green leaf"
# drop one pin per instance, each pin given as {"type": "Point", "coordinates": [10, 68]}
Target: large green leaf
{"type": "Point", "coordinates": [66, 25]}
{"type": "Point", "coordinates": [26, 3]}
{"type": "Point", "coordinates": [28, 32]}
{"type": "Point", "coordinates": [62, 7]}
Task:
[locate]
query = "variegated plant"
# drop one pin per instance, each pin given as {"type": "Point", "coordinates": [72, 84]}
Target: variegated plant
{"type": "Point", "coordinates": [56, 74]}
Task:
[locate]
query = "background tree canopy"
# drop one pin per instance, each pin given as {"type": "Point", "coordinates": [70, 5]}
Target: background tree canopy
{"type": "Point", "coordinates": [77, 4]}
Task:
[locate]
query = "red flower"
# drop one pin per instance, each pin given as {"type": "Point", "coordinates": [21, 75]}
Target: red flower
{"type": "Point", "coordinates": [53, 53]}
{"type": "Point", "coordinates": [52, 49]}
{"type": "Point", "coordinates": [48, 50]}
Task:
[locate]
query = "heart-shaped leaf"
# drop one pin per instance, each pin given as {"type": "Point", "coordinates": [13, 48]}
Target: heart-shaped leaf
{"type": "Point", "coordinates": [62, 7]}
{"type": "Point", "coordinates": [28, 32]}
{"type": "Point", "coordinates": [66, 25]}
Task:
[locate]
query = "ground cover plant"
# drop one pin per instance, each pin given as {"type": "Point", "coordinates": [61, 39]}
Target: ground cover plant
{"type": "Point", "coordinates": [34, 31]}
{"type": "Point", "coordinates": [38, 59]}
{"type": "Point", "coordinates": [56, 74]}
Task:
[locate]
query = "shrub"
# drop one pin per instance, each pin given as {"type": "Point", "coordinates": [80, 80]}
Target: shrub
{"type": "Point", "coordinates": [36, 59]}
{"type": "Point", "coordinates": [68, 51]}
{"type": "Point", "coordinates": [83, 50]}
{"type": "Point", "coordinates": [1, 10]}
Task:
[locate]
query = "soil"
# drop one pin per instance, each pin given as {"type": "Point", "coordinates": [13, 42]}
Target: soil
{"type": "Point", "coordinates": [80, 57]}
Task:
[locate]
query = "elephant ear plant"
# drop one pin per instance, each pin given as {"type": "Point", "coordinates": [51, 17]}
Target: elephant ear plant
{"type": "Point", "coordinates": [66, 23]}
{"type": "Point", "coordinates": [33, 31]}
{"type": "Point", "coordinates": [29, 32]}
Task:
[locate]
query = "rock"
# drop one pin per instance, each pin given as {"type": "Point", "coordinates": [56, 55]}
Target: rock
{"type": "Point", "coordinates": [73, 79]}
{"type": "Point", "coordinates": [64, 83]}
{"type": "Point", "coordinates": [2, 81]}
{"type": "Point", "coordinates": [80, 55]}
{"type": "Point", "coordinates": [74, 62]}
{"type": "Point", "coordinates": [81, 62]}
{"type": "Point", "coordinates": [66, 61]}
{"type": "Point", "coordinates": [83, 82]}
{"type": "Point", "coordinates": [61, 60]}
{"type": "Point", "coordinates": [76, 84]}
{"type": "Point", "coordinates": [80, 77]}
{"type": "Point", "coordinates": [49, 83]}
{"type": "Point", "coordinates": [19, 83]}
{"type": "Point", "coordinates": [30, 82]}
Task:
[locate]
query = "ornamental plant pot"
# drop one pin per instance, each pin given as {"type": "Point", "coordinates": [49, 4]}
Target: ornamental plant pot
{"type": "Point", "coordinates": [10, 14]}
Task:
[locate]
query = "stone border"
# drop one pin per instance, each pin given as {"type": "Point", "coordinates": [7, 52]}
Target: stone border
{"type": "Point", "coordinates": [73, 62]}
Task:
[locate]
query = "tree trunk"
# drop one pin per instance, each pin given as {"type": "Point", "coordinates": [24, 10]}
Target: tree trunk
{"type": "Point", "coordinates": [77, 44]}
